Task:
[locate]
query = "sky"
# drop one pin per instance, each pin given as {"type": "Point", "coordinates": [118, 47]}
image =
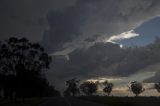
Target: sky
{"type": "Point", "coordinates": [88, 39]}
{"type": "Point", "coordinates": [147, 33]}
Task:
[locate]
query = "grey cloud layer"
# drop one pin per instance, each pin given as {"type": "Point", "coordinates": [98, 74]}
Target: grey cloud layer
{"type": "Point", "coordinates": [88, 18]}
{"type": "Point", "coordinates": [27, 18]}
{"type": "Point", "coordinates": [72, 21]}
{"type": "Point", "coordinates": [105, 60]}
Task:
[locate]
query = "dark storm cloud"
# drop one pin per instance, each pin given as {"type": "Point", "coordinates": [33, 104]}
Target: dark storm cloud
{"type": "Point", "coordinates": [65, 25]}
{"type": "Point", "coordinates": [84, 61]}
{"type": "Point", "coordinates": [92, 38]}
{"type": "Point", "coordinates": [106, 59]}
{"type": "Point", "coordinates": [27, 18]}
{"type": "Point", "coordinates": [79, 19]}
{"type": "Point", "coordinates": [80, 22]}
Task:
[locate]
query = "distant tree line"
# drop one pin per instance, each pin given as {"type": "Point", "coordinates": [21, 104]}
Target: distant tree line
{"type": "Point", "coordinates": [22, 66]}
{"type": "Point", "coordinates": [89, 87]}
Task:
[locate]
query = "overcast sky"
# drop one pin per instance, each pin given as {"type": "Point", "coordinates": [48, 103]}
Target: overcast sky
{"type": "Point", "coordinates": [81, 29]}
{"type": "Point", "coordinates": [60, 24]}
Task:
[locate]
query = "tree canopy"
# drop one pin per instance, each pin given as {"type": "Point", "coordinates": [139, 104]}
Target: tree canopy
{"type": "Point", "coordinates": [72, 87]}
{"type": "Point", "coordinates": [108, 87]}
{"type": "Point", "coordinates": [88, 87]}
{"type": "Point", "coordinates": [22, 66]}
{"type": "Point", "coordinates": [136, 87]}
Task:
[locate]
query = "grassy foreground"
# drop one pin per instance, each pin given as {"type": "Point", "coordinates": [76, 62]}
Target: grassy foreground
{"type": "Point", "coordinates": [28, 102]}
{"type": "Point", "coordinates": [124, 101]}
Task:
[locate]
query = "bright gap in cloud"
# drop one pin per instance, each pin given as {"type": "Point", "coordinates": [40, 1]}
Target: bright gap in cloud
{"type": "Point", "coordinates": [125, 35]}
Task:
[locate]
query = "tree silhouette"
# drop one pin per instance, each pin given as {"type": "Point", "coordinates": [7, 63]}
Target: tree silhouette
{"type": "Point", "coordinates": [108, 87]}
{"type": "Point", "coordinates": [88, 87]}
{"type": "Point", "coordinates": [72, 88]}
{"type": "Point", "coordinates": [22, 64]}
{"type": "Point", "coordinates": [157, 86]}
{"type": "Point", "coordinates": [136, 87]}
{"type": "Point", "coordinates": [1, 74]}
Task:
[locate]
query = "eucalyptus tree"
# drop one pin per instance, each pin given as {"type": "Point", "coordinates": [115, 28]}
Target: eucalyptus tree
{"type": "Point", "coordinates": [72, 87]}
{"type": "Point", "coordinates": [107, 87]}
{"type": "Point", "coordinates": [25, 62]}
{"type": "Point", "coordinates": [89, 87]}
{"type": "Point", "coordinates": [136, 88]}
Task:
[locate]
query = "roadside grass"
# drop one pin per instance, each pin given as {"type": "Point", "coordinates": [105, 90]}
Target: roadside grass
{"type": "Point", "coordinates": [123, 101]}
{"type": "Point", "coordinates": [28, 102]}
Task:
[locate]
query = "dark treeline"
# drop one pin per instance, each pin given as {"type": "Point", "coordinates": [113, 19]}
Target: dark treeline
{"type": "Point", "coordinates": [89, 88]}
{"type": "Point", "coordinates": [22, 66]}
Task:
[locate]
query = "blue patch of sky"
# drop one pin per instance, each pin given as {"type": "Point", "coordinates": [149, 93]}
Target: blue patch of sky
{"type": "Point", "coordinates": [148, 31]}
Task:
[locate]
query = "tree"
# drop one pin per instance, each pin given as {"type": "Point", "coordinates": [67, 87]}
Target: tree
{"type": "Point", "coordinates": [108, 87]}
{"type": "Point", "coordinates": [88, 87]}
{"type": "Point", "coordinates": [72, 87]}
{"type": "Point", "coordinates": [1, 75]}
{"type": "Point", "coordinates": [157, 86]}
{"type": "Point", "coordinates": [24, 61]}
{"type": "Point", "coordinates": [136, 87]}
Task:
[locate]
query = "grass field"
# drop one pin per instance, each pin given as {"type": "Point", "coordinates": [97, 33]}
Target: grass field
{"type": "Point", "coordinates": [28, 102]}
{"type": "Point", "coordinates": [124, 101]}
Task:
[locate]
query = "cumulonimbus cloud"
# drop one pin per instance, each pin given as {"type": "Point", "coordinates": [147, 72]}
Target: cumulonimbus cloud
{"type": "Point", "coordinates": [87, 18]}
